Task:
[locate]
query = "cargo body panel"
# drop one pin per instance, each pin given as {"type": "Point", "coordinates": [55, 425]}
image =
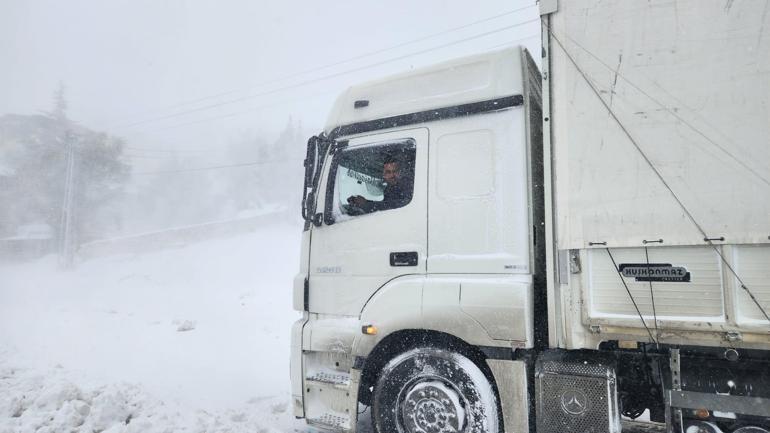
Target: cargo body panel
{"type": "Point", "coordinates": [660, 172]}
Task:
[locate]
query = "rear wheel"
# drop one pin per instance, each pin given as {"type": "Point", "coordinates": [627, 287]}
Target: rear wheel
{"type": "Point", "coordinates": [432, 390]}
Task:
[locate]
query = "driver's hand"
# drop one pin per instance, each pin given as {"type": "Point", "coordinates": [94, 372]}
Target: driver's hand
{"type": "Point", "coordinates": [357, 200]}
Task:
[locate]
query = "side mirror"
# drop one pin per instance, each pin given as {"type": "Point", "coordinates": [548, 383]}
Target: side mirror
{"type": "Point", "coordinates": [317, 147]}
{"type": "Point", "coordinates": [310, 160]}
{"type": "Point", "coordinates": [310, 168]}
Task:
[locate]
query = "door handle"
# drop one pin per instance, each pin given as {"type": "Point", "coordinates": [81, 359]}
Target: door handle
{"type": "Point", "coordinates": [408, 258]}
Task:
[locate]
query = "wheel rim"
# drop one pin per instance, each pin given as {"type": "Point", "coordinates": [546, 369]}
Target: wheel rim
{"type": "Point", "coordinates": [431, 405]}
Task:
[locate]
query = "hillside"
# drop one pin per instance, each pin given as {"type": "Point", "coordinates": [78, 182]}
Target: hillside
{"type": "Point", "coordinates": [190, 339]}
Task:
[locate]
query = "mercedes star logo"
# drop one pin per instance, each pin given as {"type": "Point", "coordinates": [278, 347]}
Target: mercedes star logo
{"type": "Point", "coordinates": [574, 402]}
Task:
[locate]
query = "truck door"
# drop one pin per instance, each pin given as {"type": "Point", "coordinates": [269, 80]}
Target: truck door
{"type": "Point", "coordinates": [374, 202]}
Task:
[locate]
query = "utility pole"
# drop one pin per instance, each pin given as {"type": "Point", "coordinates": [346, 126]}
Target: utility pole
{"type": "Point", "coordinates": [66, 240]}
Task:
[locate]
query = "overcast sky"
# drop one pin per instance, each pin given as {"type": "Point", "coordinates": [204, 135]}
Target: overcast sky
{"type": "Point", "coordinates": [189, 74]}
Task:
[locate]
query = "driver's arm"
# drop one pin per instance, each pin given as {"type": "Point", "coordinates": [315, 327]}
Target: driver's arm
{"type": "Point", "coordinates": [362, 203]}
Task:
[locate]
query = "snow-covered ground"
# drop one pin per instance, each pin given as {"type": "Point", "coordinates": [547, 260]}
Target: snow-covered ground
{"type": "Point", "coordinates": [189, 339]}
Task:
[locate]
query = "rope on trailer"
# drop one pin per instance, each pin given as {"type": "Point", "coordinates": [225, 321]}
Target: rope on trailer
{"type": "Point", "coordinates": [633, 301]}
{"type": "Point", "coordinates": [657, 173]}
{"type": "Point", "coordinates": [652, 297]}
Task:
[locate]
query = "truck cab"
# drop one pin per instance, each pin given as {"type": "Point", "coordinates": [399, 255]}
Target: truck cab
{"type": "Point", "coordinates": [451, 261]}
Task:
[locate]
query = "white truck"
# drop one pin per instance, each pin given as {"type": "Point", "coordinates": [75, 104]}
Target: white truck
{"type": "Point", "coordinates": [583, 247]}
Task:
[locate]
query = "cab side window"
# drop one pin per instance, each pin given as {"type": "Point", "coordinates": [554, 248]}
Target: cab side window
{"type": "Point", "coordinates": [370, 178]}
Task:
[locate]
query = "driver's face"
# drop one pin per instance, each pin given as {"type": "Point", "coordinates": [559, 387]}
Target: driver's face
{"type": "Point", "coordinates": [390, 173]}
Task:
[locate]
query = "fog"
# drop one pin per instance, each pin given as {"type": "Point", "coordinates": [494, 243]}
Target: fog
{"type": "Point", "coordinates": [188, 85]}
{"type": "Point", "coordinates": [150, 173]}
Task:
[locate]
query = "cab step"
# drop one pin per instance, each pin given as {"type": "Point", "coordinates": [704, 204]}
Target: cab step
{"type": "Point", "coordinates": [331, 422]}
{"type": "Point", "coordinates": [336, 379]}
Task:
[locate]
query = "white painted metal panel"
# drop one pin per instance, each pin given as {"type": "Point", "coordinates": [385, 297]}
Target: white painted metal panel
{"type": "Point", "coordinates": [350, 259]}
{"type": "Point", "coordinates": [502, 305]}
{"type": "Point", "coordinates": [477, 201]}
{"type": "Point", "coordinates": [295, 367]}
{"type": "Point", "coordinates": [752, 263]}
{"type": "Point", "coordinates": [690, 81]}
{"type": "Point", "coordinates": [470, 79]}
{"type": "Point", "coordinates": [465, 164]}
{"type": "Point", "coordinates": [701, 299]}
{"type": "Point", "coordinates": [298, 289]}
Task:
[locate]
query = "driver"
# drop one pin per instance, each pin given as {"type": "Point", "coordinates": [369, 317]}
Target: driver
{"type": "Point", "coordinates": [395, 194]}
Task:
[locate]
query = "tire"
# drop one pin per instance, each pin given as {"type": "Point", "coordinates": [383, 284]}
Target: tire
{"type": "Point", "coordinates": [432, 390]}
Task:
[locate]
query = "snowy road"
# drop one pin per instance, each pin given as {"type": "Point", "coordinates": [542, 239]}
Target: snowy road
{"type": "Point", "coordinates": [189, 339]}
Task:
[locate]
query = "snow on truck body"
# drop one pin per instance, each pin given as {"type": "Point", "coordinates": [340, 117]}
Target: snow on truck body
{"type": "Point", "coordinates": [581, 256]}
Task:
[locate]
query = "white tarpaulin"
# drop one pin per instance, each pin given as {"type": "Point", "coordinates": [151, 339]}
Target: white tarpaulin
{"type": "Point", "coordinates": [690, 82]}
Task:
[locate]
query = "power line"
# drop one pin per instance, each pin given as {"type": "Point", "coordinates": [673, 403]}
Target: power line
{"type": "Point", "coordinates": [146, 149]}
{"type": "Point", "coordinates": [510, 43]}
{"type": "Point", "coordinates": [263, 107]}
{"type": "Point", "coordinates": [414, 41]}
{"type": "Point", "coordinates": [217, 167]}
{"type": "Point", "coordinates": [357, 57]}
{"type": "Point", "coordinates": [326, 77]}
{"type": "Point", "coordinates": [259, 108]}
{"type": "Point", "coordinates": [160, 157]}
{"type": "Point", "coordinates": [266, 106]}
{"type": "Point", "coordinates": [304, 83]}
{"type": "Point", "coordinates": [164, 157]}
{"type": "Point", "coordinates": [237, 113]}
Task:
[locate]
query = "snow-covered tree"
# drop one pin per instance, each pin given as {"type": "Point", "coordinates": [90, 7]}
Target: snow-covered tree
{"type": "Point", "coordinates": [33, 170]}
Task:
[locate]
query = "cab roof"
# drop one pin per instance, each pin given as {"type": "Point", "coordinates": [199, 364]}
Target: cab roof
{"type": "Point", "coordinates": [476, 78]}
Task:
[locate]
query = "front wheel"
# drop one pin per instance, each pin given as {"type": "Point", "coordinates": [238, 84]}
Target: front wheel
{"type": "Point", "coordinates": [432, 390]}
